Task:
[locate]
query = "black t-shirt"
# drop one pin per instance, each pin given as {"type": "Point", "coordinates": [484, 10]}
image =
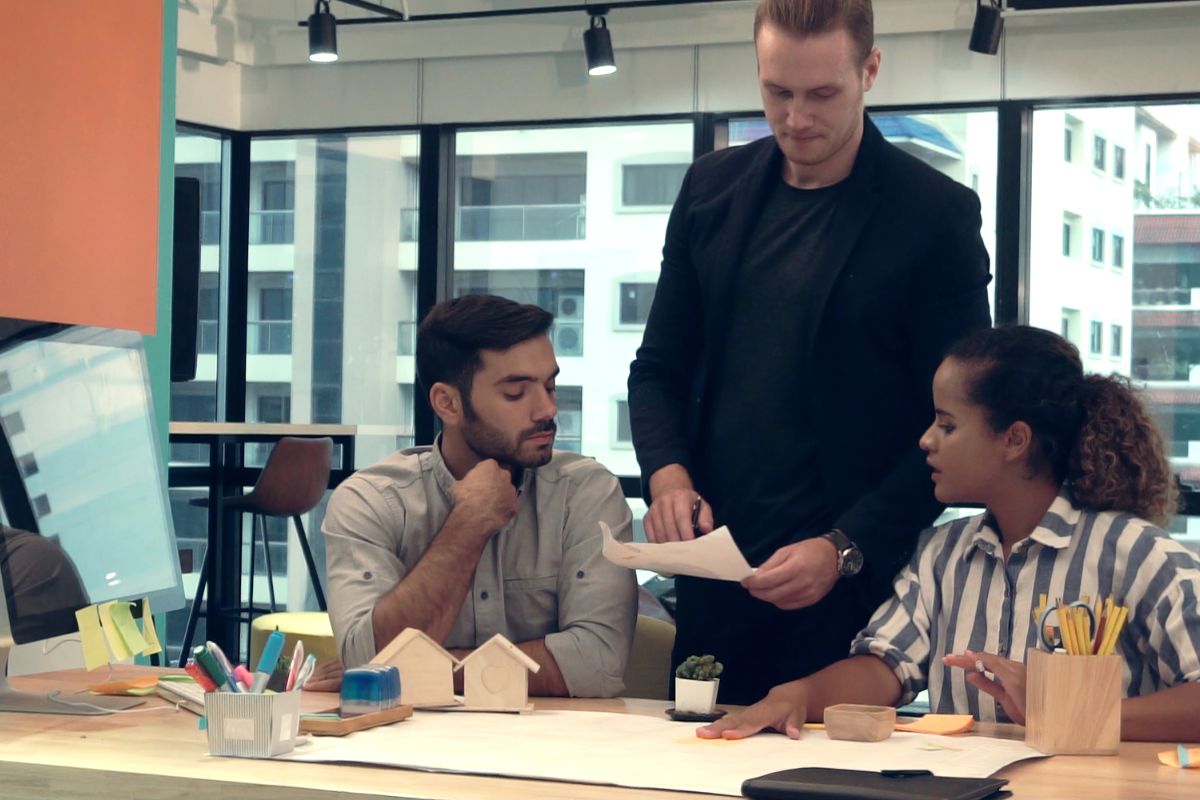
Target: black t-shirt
{"type": "Point", "coordinates": [757, 451]}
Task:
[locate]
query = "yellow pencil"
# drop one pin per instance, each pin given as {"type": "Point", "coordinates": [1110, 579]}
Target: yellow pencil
{"type": "Point", "coordinates": [1065, 628]}
{"type": "Point", "coordinates": [1081, 626]}
{"type": "Point", "coordinates": [1118, 623]}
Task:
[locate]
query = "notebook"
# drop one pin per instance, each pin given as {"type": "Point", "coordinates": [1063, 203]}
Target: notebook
{"type": "Point", "coordinates": [813, 783]}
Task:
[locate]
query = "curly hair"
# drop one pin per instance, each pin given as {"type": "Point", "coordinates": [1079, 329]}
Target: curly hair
{"type": "Point", "coordinates": [1092, 431]}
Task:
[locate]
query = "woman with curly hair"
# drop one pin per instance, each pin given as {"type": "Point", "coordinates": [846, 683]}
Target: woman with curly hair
{"type": "Point", "coordinates": [1074, 479]}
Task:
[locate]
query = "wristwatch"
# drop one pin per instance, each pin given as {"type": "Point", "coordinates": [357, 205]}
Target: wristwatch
{"type": "Point", "coordinates": [849, 557]}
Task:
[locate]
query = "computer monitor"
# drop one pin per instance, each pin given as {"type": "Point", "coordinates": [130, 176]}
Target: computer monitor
{"type": "Point", "coordinates": [83, 482]}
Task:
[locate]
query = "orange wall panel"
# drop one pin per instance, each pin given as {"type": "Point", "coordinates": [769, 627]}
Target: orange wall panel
{"type": "Point", "coordinates": [80, 121]}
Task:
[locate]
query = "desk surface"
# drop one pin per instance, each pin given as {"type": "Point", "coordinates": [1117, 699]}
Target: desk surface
{"type": "Point", "coordinates": [258, 429]}
{"type": "Point", "coordinates": [162, 753]}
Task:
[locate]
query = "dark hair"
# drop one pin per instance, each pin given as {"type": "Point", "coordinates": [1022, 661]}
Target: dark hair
{"type": "Point", "coordinates": [1090, 430]}
{"type": "Point", "coordinates": [809, 17]}
{"type": "Point", "coordinates": [455, 331]}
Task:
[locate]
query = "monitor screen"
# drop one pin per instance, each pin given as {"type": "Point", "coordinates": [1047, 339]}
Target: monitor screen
{"type": "Point", "coordinates": [86, 467]}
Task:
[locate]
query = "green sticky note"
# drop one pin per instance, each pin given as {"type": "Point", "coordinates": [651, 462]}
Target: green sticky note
{"type": "Point", "coordinates": [108, 623]}
{"type": "Point", "coordinates": [148, 632]}
{"type": "Point", "coordinates": [95, 652]}
{"type": "Point", "coordinates": [122, 614]}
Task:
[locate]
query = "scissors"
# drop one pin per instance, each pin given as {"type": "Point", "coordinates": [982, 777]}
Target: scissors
{"type": "Point", "coordinates": [1050, 635]}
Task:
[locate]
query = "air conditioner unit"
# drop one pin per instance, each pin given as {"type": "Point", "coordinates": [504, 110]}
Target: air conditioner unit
{"type": "Point", "coordinates": [568, 338]}
{"type": "Point", "coordinates": [570, 307]}
{"type": "Point", "coordinates": [570, 424]}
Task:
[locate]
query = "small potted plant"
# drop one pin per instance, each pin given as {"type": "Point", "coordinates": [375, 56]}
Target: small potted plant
{"type": "Point", "coordinates": [696, 683]}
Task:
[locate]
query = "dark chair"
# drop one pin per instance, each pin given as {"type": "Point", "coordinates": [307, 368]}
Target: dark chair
{"type": "Point", "coordinates": [292, 483]}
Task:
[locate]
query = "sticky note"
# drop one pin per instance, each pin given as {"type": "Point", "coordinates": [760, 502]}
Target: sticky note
{"type": "Point", "coordinates": [1183, 757]}
{"type": "Point", "coordinates": [148, 632]}
{"type": "Point", "coordinates": [122, 615]}
{"type": "Point", "coordinates": [115, 641]}
{"type": "Point", "coordinates": [134, 686]}
{"type": "Point", "coordinates": [939, 724]}
{"type": "Point", "coordinates": [95, 652]}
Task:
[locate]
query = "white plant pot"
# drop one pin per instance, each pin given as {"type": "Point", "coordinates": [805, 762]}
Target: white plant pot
{"type": "Point", "coordinates": [696, 697]}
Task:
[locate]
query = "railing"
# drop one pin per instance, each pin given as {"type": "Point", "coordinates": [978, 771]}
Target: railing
{"type": "Point", "coordinates": [520, 223]}
{"type": "Point", "coordinates": [272, 338]}
{"type": "Point", "coordinates": [406, 338]}
{"type": "Point", "coordinates": [272, 227]}
{"type": "Point", "coordinates": [1167, 296]}
{"type": "Point", "coordinates": [206, 340]}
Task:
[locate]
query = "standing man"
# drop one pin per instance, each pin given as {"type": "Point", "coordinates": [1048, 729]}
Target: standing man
{"type": "Point", "coordinates": [489, 530]}
{"type": "Point", "coordinates": [810, 284]}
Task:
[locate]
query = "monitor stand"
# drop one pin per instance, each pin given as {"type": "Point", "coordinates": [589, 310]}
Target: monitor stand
{"type": "Point", "coordinates": [76, 704]}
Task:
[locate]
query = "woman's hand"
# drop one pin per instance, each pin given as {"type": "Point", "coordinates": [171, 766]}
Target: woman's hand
{"type": "Point", "coordinates": [1007, 683]}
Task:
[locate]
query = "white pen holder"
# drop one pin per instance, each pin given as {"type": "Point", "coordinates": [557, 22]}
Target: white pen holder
{"type": "Point", "coordinates": [252, 725]}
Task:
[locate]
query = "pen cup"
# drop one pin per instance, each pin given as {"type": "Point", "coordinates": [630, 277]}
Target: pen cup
{"type": "Point", "coordinates": [1073, 703]}
{"type": "Point", "coordinates": [252, 725]}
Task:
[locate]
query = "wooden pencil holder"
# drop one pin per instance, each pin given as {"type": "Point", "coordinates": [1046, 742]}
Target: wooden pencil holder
{"type": "Point", "coordinates": [1073, 703]}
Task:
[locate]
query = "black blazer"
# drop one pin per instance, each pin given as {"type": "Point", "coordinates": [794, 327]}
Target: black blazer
{"type": "Point", "coordinates": [906, 276]}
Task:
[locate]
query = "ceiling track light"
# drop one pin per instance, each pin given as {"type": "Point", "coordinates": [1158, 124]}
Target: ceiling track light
{"type": "Point", "coordinates": [322, 34]}
{"type": "Point", "coordinates": [989, 25]}
{"type": "Point", "coordinates": [597, 44]}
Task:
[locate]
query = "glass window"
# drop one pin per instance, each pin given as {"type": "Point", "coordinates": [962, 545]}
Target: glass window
{"type": "Point", "coordinates": [1097, 245]}
{"type": "Point", "coordinates": [651, 184]}
{"type": "Point", "coordinates": [633, 307]}
{"type": "Point", "coordinates": [1068, 232]}
{"type": "Point", "coordinates": [1096, 343]}
{"type": "Point", "coordinates": [1068, 145]}
{"type": "Point", "coordinates": [1099, 152]}
{"type": "Point", "coordinates": [624, 430]}
{"type": "Point", "coordinates": [1118, 250]}
{"type": "Point", "coordinates": [1118, 341]}
{"type": "Point", "coordinates": [1118, 162]}
{"type": "Point", "coordinates": [540, 217]}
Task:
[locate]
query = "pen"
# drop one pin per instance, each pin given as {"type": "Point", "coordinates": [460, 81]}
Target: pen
{"type": "Point", "coordinates": [696, 514]}
{"type": "Point", "coordinates": [266, 662]}
{"type": "Point", "coordinates": [310, 663]}
{"type": "Point", "coordinates": [219, 654]}
{"type": "Point", "coordinates": [294, 668]}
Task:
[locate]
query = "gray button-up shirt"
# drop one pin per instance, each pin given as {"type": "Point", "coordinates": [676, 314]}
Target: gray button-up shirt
{"type": "Point", "coordinates": [541, 576]}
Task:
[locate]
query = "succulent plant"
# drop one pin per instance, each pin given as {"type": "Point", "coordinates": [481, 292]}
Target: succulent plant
{"type": "Point", "coordinates": [699, 668]}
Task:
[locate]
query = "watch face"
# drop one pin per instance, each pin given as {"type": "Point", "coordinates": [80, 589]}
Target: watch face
{"type": "Point", "coordinates": [852, 561]}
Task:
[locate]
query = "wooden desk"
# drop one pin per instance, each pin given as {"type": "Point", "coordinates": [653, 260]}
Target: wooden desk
{"type": "Point", "coordinates": [225, 476]}
{"type": "Point", "coordinates": [162, 755]}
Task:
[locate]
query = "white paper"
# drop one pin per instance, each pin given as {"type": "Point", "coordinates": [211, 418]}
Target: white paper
{"type": "Point", "coordinates": [641, 751]}
{"type": "Point", "coordinates": [713, 555]}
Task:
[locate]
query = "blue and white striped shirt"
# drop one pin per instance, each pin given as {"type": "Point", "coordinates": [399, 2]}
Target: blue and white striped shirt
{"type": "Point", "coordinates": [958, 594]}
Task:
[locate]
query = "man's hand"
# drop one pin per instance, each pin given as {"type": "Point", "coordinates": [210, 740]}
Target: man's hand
{"type": "Point", "coordinates": [796, 576]}
{"type": "Point", "coordinates": [669, 518]}
{"type": "Point", "coordinates": [327, 677]}
{"type": "Point", "coordinates": [1007, 683]}
{"type": "Point", "coordinates": [784, 709]}
{"type": "Point", "coordinates": [485, 497]}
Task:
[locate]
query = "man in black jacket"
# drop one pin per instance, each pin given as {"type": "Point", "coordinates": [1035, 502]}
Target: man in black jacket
{"type": "Point", "coordinates": [810, 284]}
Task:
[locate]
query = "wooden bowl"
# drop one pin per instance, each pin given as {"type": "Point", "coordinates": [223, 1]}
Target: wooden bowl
{"type": "Point", "coordinates": [859, 723]}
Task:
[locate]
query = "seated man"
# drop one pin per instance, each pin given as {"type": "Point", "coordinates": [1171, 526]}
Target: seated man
{"type": "Point", "coordinates": [490, 530]}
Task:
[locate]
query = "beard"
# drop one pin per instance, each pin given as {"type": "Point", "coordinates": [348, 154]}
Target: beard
{"type": "Point", "coordinates": [488, 442]}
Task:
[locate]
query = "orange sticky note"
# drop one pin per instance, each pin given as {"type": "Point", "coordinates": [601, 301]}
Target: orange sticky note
{"type": "Point", "coordinates": [939, 724]}
{"type": "Point", "coordinates": [133, 686]}
{"type": "Point", "coordinates": [1184, 757]}
{"type": "Point", "coordinates": [95, 652]}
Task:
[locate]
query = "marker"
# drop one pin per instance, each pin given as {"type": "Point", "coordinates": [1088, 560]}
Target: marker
{"type": "Point", "coordinates": [219, 654]}
{"type": "Point", "coordinates": [213, 667]}
{"type": "Point", "coordinates": [266, 662]}
{"type": "Point", "coordinates": [310, 663]}
{"type": "Point", "coordinates": [294, 668]}
{"type": "Point", "coordinates": [201, 677]}
{"type": "Point", "coordinates": [244, 678]}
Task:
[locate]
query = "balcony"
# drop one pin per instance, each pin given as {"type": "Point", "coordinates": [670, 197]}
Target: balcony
{"type": "Point", "coordinates": [1167, 296]}
{"type": "Point", "coordinates": [539, 223]}
{"type": "Point", "coordinates": [269, 337]}
{"type": "Point", "coordinates": [272, 227]}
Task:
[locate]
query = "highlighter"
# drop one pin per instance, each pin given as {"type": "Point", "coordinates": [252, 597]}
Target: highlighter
{"type": "Point", "coordinates": [213, 667]}
{"type": "Point", "coordinates": [266, 662]}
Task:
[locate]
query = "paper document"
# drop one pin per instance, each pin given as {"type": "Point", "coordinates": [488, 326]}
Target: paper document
{"type": "Point", "coordinates": [713, 555]}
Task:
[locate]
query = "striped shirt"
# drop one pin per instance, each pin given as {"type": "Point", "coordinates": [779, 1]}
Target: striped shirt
{"type": "Point", "coordinates": [958, 594]}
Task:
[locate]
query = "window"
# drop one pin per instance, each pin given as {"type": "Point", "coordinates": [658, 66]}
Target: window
{"type": "Point", "coordinates": [1097, 245]}
{"type": "Point", "coordinates": [624, 431]}
{"type": "Point", "coordinates": [651, 184]}
{"type": "Point", "coordinates": [1118, 341]}
{"type": "Point", "coordinates": [1068, 233]}
{"type": "Point", "coordinates": [1118, 250]}
{"type": "Point", "coordinates": [541, 218]}
{"type": "Point", "coordinates": [28, 465]}
{"type": "Point", "coordinates": [274, 408]}
{"type": "Point", "coordinates": [1147, 165]}
{"type": "Point", "coordinates": [1068, 145]}
{"type": "Point", "coordinates": [1096, 344]}
{"type": "Point", "coordinates": [271, 332]}
{"type": "Point", "coordinates": [633, 307]}
{"type": "Point", "coordinates": [1099, 152]}
{"type": "Point", "coordinates": [1070, 325]}
{"type": "Point", "coordinates": [272, 201]}
{"type": "Point", "coordinates": [1118, 162]}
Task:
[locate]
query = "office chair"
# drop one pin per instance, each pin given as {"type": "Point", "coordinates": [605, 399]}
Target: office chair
{"type": "Point", "coordinates": [292, 483]}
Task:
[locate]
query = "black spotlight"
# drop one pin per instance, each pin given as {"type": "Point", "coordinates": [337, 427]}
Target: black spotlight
{"type": "Point", "coordinates": [597, 44]}
{"type": "Point", "coordinates": [989, 24]}
{"type": "Point", "coordinates": [322, 34]}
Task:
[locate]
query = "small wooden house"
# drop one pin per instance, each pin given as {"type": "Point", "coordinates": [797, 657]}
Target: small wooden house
{"type": "Point", "coordinates": [496, 675]}
{"type": "Point", "coordinates": [426, 669]}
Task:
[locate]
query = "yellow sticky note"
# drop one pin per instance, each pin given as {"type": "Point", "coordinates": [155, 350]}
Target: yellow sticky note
{"type": "Point", "coordinates": [122, 614]}
{"type": "Point", "coordinates": [95, 652]}
{"type": "Point", "coordinates": [116, 643]}
{"type": "Point", "coordinates": [148, 632]}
